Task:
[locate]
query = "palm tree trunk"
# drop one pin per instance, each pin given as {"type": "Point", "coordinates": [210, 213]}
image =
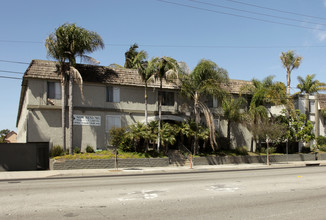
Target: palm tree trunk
{"type": "Point", "coordinates": [197, 120]}
{"type": "Point", "coordinates": [267, 153]}
{"type": "Point", "coordinates": [63, 112]}
{"type": "Point", "coordinates": [288, 80]}
{"type": "Point", "coordinates": [159, 117]}
{"type": "Point", "coordinates": [70, 114]}
{"type": "Point", "coordinates": [146, 111]}
{"type": "Point", "coordinates": [229, 134]}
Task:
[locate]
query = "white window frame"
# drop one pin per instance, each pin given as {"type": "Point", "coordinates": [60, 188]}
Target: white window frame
{"type": "Point", "coordinates": [115, 122]}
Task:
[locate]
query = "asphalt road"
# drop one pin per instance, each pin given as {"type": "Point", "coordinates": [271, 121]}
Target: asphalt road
{"type": "Point", "coordinates": [295, 193]}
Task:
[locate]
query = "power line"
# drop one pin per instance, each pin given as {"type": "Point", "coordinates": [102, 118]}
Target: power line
{"type": "Point", "coordinates": [10, 61]}
{"type": "Point", "coordinates": [257, 13]}
{"type": "Point", "coordinates": [241, 16]}
{"type": "Point", "coordinates": [22, 41]}
{"type": "Point", "coordinates": [9, 77]}
{"type": "Point", "coordinates": [278, 10]}
{"type": "Point", "coordinates": [185, 46]}
{"type": "Point", "coordinates": [218, 46]}
{"type": "Point", "coordinates": [5, 71]}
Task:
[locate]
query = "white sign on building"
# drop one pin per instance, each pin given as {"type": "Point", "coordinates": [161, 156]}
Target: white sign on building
{"type": "Point", "coordinates": [91, 120]}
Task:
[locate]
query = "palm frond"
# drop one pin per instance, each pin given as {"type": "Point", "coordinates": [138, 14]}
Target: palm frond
{"type": "Point", "coordinates": [210, 124]}
{"type": "Point", "coordinates": [77, 78]}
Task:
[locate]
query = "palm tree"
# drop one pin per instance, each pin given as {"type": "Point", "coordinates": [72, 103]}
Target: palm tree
{"type": "Point", "coordinates": [309, 85]}
{"type": "Point", "coordinates": [134, 57]}
{"type": "Point", "coordinates": [145, 71]}
{"type": "Point", "coordinates": [65, 44]}
{"type": "Point", "coordinates": [232, 113]}
{"type": "Point", "coordinates": [162, 68]}
{"type": "Point", "coordinates": [205, 79]}
{"type": "Point", "coordinates": [290, 61]}
{"type": "Point", "coordinates": [263, 93]}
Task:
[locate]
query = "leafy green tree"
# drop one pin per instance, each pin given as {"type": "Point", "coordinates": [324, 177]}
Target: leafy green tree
{"type": "Point", "coordinates": [3, 134]}
{"type": "Point", "coordinates": [271, 131]}
{"type": "Point", "coordinates": [297, 127]}
{"type": "Point", "coordinates": [65, 44]}
{"type": "Point", "coordinates": [206, 79]}
{"type": "Point", "coordinates": [263, 93]}
{"type": "Point", "coordinates": [290, 62]}
{"type": "Point", "coordinates": [233, 113]}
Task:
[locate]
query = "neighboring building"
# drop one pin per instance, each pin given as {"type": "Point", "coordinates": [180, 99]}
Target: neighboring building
{"type": "Point", "coordinates": [113, 97]}
{"type": "Point", "coordinates": [314, 106]}
{"type": "Point", "coordinates": [11, 137]}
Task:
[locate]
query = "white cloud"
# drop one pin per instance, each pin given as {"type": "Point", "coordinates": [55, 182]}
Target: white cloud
{"type": "Point", "coordinates": [320, 34]}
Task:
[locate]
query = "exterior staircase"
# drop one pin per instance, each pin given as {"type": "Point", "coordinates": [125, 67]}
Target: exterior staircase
{"type": "Point", "coordinates": [176, 158]}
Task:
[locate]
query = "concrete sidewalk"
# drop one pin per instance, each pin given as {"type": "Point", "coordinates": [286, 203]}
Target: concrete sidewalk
{"type": "Point", "coordinates": [47, 174]}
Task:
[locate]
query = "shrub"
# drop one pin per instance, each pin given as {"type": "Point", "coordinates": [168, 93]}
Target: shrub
{"type": "Point", "coordinates": [153, 153]}
{"type": "Point", "coordinates": [89, 149]}
{"type": "Point", "coordinates": [322, 148]}
{"type": "Point", "coordinates": [271, 150]}
{"type": "Point", "coordinates": [305, 150]}
{"type": "Point", "coordinates": [76, 150]}
{"type": "Point", "coordinates": [241, 151]}
{"type": "Point", "coordinates": [321, 140]}
{"type": "Point", "coordinates": [56, 151]}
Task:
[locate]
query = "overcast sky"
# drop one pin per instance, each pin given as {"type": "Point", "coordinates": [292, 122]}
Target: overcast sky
{"type": "Point", "coordinates": [246, 37]}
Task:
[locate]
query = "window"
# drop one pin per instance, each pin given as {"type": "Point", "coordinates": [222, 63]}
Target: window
{"type": "Point", "coordinates": [54, 90]}
{"type": "Point", "coordinates": [167, 98]}
{"type": "Point", "coordinates": [112, 94]}
{"type": "Point", "coordinates": [112, 121]}
{"type": "Point", "coordinates": [211, 101]}
{"type": "Point", "coordinates": [311, 106]}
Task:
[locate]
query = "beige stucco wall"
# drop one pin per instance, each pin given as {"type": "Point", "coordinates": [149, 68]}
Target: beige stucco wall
{"type": "Point", "coordinates": [44, 119]}
{"type": "Point", "coordinates": [22, 122]}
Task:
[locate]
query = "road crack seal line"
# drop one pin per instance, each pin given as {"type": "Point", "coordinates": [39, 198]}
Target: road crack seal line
{"type": "Point", "coordinates": [223, 188]}
{"type": "Point", "coordinates": [144, 194]}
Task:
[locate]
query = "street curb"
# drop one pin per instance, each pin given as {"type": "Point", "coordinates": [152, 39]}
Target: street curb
{"type": "Point", "coordinates": [141, 172]}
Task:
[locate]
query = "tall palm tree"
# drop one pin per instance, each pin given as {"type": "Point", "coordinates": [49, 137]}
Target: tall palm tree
{"type": "Point", "coordinates": [232, 112]}
{"type": "Point", "coordinates": [65, 44]}
{"type": "Point", "coordinates": [145, 70]}
{"type": "Point", "coordinates": [290, 62]}
{"type": "Point", "coordinates": [134, 57]}
{"type": "Point", "coordinates": [205, 79]}
{"type": "Point", "coordinates": [162, 68]}
{"type": "Point", "coordinates": [263, 93]}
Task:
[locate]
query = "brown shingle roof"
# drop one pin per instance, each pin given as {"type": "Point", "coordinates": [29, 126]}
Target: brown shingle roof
{"type": "Point", "coordinates": [235, 85]}
{"type": "Point", "coordinates": [92, 73]}
{"type": "Point", "coordinates": [101, 74]}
